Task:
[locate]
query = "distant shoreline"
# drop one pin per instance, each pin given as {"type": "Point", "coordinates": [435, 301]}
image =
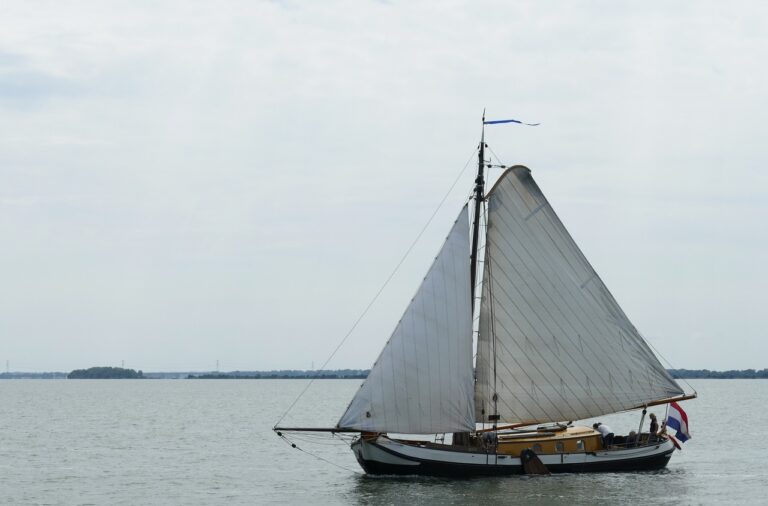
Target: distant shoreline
{"type": "Point", "coordinates": [356, 374]}
{"type": "Point", "coordinates": [274, 374]}
{"type": "Point", "coordinates": [707, 374]}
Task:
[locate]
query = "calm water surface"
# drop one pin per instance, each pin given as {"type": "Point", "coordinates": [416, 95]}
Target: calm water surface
{"type": "Point", "coordinates": [174, 442]}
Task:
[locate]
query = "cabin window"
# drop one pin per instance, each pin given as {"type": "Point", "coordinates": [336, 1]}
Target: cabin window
{"type": "Point", "coordinates": [579, 444]}
{"type": "Point", "coordinates": [537, 448]}
{"type": "Point", "coordinates": [559, 448]}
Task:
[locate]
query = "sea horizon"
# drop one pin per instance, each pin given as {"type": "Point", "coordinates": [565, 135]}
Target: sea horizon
{"type": "Point", "coordinates": [677, 373]}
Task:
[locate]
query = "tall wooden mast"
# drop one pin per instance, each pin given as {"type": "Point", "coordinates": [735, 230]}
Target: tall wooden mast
{"type": "Point", "coordinates": [479, 196]}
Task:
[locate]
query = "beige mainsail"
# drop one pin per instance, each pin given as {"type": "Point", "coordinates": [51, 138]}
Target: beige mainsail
{"type": "Point", "coordinates": [553, 343]}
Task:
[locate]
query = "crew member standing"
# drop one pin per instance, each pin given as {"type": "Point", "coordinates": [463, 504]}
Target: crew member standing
{"type": "Point", "coordinates": [605, 433]}
{"type": "Point", "coordinates": [654, 429]}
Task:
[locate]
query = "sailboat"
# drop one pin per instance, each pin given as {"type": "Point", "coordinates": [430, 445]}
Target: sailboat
{"type": "Point", "coordinates": [448, 396]}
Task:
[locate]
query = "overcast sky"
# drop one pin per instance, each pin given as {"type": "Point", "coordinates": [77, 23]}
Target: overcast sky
{"type": "Point", "coordinates": [185, 182]}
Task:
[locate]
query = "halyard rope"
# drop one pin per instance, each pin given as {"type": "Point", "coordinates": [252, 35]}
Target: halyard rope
{"type": "Point", "coordinates": [375, 297]}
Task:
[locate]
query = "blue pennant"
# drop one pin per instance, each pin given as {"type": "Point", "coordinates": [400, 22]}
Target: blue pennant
{"type": "Point", "coordinates": [494, 122]}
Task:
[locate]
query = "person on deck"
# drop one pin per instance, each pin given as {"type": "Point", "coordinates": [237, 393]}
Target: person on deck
{"type": "Point", "coordinates": [490, 439]}
{"type": "Point", "coordinates": [654, 429]}
{"type": "Point", "coordinates": [605, 433]}
{"type": "Point", "coordinates": [654, 425]}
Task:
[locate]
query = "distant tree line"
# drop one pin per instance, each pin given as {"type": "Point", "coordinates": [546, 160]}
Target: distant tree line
{"type": "Point", "coordinates": [105, 373]}
{"type": "Point", "coordinates": [285, 374]}
{"type": "Point", "coordinates": [707, 374]}
{"type": "Point", "coordinates": [33, 375]}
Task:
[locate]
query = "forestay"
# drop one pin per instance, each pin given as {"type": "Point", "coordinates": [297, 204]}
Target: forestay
{"type": "Point", "coordinates": [564, 349]}
{"type": "Point", "coordinates": [422, 381]}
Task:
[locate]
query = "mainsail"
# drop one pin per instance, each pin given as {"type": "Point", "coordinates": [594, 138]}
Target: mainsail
{"type": "Point", "coordinates": [553, 343]}
{"type": "Point", "coordinates": [422, 381]}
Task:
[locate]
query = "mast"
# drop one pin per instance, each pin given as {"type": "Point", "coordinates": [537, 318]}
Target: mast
{"type": "Point", "coordinates": [479, 196]}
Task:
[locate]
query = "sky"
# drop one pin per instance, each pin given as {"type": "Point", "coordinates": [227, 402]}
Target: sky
{"type": "Point", "coordinates": [183, 182]}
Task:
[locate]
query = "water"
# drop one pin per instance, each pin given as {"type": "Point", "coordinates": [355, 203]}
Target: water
{"type": "Point", "coordinates": [166, 442]}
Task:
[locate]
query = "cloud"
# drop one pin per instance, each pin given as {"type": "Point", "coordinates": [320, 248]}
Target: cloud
{"type": "Point", "coordinates": [21, 85]}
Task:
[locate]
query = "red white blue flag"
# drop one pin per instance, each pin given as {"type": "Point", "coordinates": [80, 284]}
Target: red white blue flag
{"type": "Point", "coordinates": [678, 420]}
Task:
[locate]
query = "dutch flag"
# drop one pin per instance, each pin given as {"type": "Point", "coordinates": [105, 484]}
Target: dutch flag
{"type": "Point", "coordinates": [678, 420]}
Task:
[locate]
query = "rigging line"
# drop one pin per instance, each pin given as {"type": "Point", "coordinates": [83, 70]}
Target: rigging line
{"type": "Point", "coordinates": [334, 443]}
{"type": "Point", "coordinates": [378, 293]}
{"type": "Point", "coordinates": [334, 438]}
{"type": "Point", "coordinates": [492, 329]}
{"type": "Point", "coordinates": [499, 163]}
{"type": "Point", "coordinates": [667, 361]}
{"type": "Point", "coordinates": [498, 159]}
{"type": "Point", "coordinates": [293, 445]}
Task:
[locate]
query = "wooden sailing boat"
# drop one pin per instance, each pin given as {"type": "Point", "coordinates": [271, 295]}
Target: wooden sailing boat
{"type": "Point", "coordinates": [553, 346]}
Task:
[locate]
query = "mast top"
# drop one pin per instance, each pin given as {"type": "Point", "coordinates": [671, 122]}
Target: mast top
{"type": "Point", "coordinates": [479, 196]}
